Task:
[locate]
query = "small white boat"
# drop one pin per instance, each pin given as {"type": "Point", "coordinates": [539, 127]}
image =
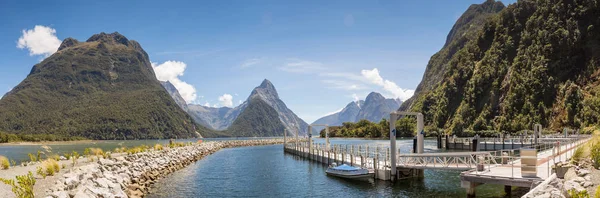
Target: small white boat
{"type": "Point", "coordinates": [348, 172]}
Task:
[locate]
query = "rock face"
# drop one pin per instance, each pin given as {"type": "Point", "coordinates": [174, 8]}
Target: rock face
{"type": "Point", "coordinates": [132, 175]}
{"type": "Point", "coordinates": [175, 95]}
{"type": "Point", "coordinates": [104, 88]}
{"type": "Point", "coordinates": [374, 108]}
{"type": "Point", "coordinates": [215, 118]}
{"type": "Point", "coordinates": [266, 96]}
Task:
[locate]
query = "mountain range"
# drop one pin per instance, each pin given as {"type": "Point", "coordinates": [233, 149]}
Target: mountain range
{"type": "Point", "coordinates": [508, 68]}
{"type": "Point", "coordinates": [103, 88]}
{"type": "Point", "coordinates": [374, 108]}
{"type": "Point", "coordinates": [262, 114]}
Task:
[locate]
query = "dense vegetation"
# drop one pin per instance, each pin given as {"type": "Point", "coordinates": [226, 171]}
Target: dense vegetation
{"type": "Point", "coordinates": [405, 127]}
{"type": "Point", "coordinates": [104, 88]}
{"type": "Point", "coordinates": [533, 62]}
{"type": "Point", "coordinates": [257, 120]}
{"type": "Point", "coordinates": [10, 137]}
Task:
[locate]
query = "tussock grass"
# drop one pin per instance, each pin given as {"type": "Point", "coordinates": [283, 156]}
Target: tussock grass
{"type": "Point", "coordinates": [137, 149]}
{"type": "Point", "coordinates": [50, 166]}
{"type": "Point", "coordinates": [4, 163]}
{"type": "Point", "coordinates": [74, 157]}
{"type": "Point", "coordinates": [578, 154]}
{"type": "Point", "coordinates": [158, 147]}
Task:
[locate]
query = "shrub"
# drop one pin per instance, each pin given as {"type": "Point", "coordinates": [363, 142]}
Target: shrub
{"type": "Point", "coordinates": [75, 157]}
{"type": "Point", "coordinates": [577, 155]}
{"type": "Point", "coordinates": [86, 152]}
{"type": "Point", "coordinates": [4, 163]}
{"type": "Point", "coordinates": [597, 192]}
{"type": "Point", "coordinates": [39, 156]}
{"type": "Point", "coordinates": [67, 155]}
{"type": "Point", "coordinates": [96, 151]}
{"type": "Point", "coordinates": [578, 194]}
{"type": "Point", "coordinates": [54, 157]}
{"type": "Point", "coordinates": [158, 147]}
{"type": "Point", "coordinates": [13, 162]}
{"type": "Point", "coordinates": [24, 186]}
{"type": "Point", "coordinates": [32, 157]}
{"type": "Point", "coordinates": [40, 172]}
{"type": "Point", "coordinates": [595, 154]}
{"type": "Point", "coordinates": [50, 166]}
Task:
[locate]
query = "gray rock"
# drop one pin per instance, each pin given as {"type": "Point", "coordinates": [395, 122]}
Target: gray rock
{"type": "Point", "coordinates": [579, 180]}
{"type": "Point", "coordinates": [588, 177]}
{"type": "Point", "coordinates": [587, 184]}
{"type": "Point", "coordinates": [102, 182]}
{"type": "Point", "coordinates": [583, 172]}
{"type": "Point", "coordinates": [60, 194]}
{"type": "Point", "coordinates": [572, 185]}
{"type": "Point", "coordinates": [71, 182]}
{"type": "Point", "coordinates": [63, 158]}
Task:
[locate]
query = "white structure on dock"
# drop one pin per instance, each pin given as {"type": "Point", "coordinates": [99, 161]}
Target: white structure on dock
{"type": "Point", "coordinates": [510, 167]}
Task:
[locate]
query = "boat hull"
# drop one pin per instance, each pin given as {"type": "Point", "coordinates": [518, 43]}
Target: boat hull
{"type": "Point", "coordinates": [353, 176]}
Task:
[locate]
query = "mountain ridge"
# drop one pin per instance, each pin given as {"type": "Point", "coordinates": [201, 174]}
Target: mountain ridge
{"type": "Point", "coordinates": [104, 88]}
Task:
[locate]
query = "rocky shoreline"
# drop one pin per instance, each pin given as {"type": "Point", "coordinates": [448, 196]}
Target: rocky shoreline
{"type": "Point", "coordinates": [578, 178]}
{"type": "Point", "coordinates": [132, 175]}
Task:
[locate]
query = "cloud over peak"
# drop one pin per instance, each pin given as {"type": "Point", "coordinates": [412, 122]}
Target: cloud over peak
{"type": "Point", "coordinates": [373, 77]}
{"type": "Point", "coordinates": [226, 100]}
{"type": "Point", "coordinates": [40, 40]}
{"type": "Point", "coordinates": [171, 71]}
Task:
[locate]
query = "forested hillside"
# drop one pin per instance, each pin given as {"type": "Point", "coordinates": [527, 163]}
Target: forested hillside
{"type": "Point", "coordinates": [104, 88]}
{"type": "Point", "coordinates": [534, 62]}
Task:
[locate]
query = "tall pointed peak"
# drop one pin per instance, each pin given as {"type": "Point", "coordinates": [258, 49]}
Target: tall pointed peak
{"type": "Point", "coordinates": [266, 89]}
{"type": "Point", "coordinates": [374, 96]}
{"type": "Point", "coordinates": [266, 84]}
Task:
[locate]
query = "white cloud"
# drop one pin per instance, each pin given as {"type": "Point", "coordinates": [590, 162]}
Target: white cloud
{"type": "Point", "coordinates": [302, 66]}
{"type": "Point", "coordinates": [226, 100]}
{"type": "Point", "coordinates": [206, 104]}
{"type": "Point", "coordinates": [250, 62]}
{"type": "Point", "coordinates": [389, 86]}
{"type": "Point", "coordinates": [239, 102]}
{"type": "Point", "coordinates": [171, 71]}
{"type": "Point", "coordinates": [40, 40]}
{"type": "Point", "coordinates": [355, 97]}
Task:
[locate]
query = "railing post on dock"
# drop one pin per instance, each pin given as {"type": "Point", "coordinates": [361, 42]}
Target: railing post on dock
{"type": "Point", "coordinates": [376, 161]}
{"type": "Point", "coordinates": [352, 155]}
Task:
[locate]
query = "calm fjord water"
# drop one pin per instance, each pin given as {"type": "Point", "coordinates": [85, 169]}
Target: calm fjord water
{"type": "Point", "coordinates": [265, 171]}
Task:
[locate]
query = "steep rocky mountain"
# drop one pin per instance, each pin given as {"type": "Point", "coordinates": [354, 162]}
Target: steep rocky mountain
{"type": "Point", "coordinates": [211, 117]}
{"type": "Point", "coordinates": [257, 109]}
{"type": "Point", "coordinates": [104, 88]}
{"type": "Point", "coordinates": [175, 94]}
{"type": "Point", "coordinates": [374, 108]}
{"type": "Point", "coordinates": [532, 62]}
{"type": "Point", "coordinates": [216, 118]}
{"type": "Point", "coordinates": [465, 29]}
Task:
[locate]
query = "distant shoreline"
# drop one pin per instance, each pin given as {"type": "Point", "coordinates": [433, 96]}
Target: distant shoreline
{"type": "Point", "coordinates": [47, 142]}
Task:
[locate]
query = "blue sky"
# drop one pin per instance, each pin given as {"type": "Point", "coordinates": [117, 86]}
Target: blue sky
{"type": "Point", "coordinates": [320, 55]}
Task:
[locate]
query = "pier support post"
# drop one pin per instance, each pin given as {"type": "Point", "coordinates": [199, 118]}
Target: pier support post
{"type": "Point", "coordinates": [507, 190]}
{"type": "Point", "coordinates": [309, 139]}
{"type": "Point", "coordinates": [470, 187]}
{"type": "Point", "coordinates": [393, 118]}
{"type": "Point", "coordinates": [420, 134]}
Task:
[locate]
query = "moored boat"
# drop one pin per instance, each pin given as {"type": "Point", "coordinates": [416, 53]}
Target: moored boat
{"type": "Point", "coordinates": [348, 172]}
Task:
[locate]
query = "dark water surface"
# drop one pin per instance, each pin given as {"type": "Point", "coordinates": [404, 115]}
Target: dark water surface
{"type": "Point", "coordinates": [265, 171]}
